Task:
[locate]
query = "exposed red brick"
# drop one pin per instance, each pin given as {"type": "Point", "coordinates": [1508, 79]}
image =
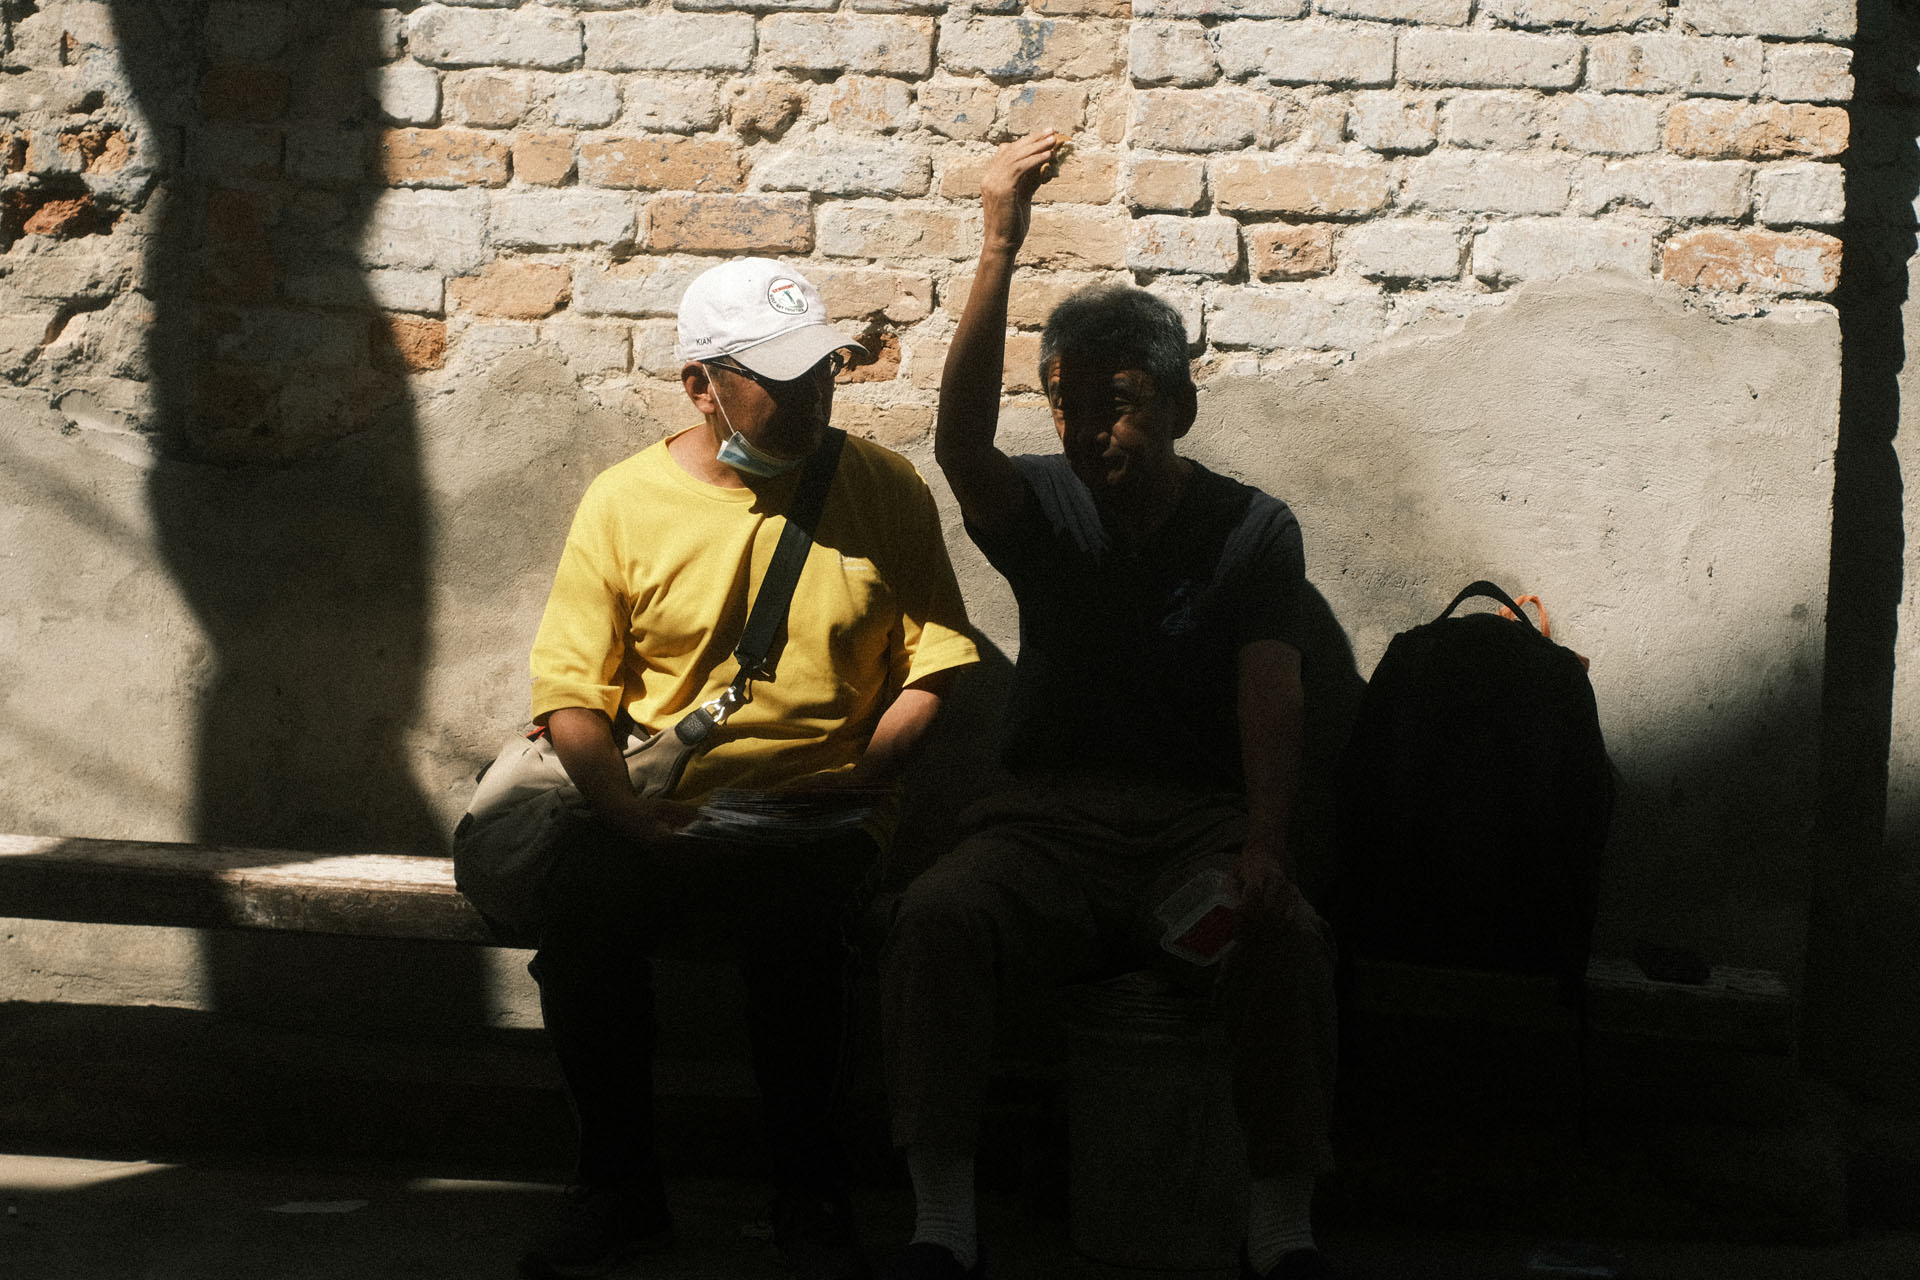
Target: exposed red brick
{"type": "Point", "coordinates": [516, 290]}
{"type": "Point", "coordinates": [1756, 130]}
{"type": "Point", "coordinates": [69, 217]}
{"type": "Point", "coordinates": [545, 159]}
{"type": "Point", "coordinates": [442, 158]}
{"type": "Point", "coordinates": [722, 224]}
{"type": "Point", "coordinates": [100, 150]}
{"type": "Point", "coordinates": [415, 343]}
{"type": "Point", "coordinates": [884, 347]}
{"type": "Point", "coordinates": [1742, 259]}
{"type": "Point", "coordinates": [664, 164]}
{"type": "Point", "coordinates": [1283, 251]}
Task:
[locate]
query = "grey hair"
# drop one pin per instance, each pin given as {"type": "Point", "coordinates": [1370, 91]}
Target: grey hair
{"type": "Point", "coordinates": [1120, 322]}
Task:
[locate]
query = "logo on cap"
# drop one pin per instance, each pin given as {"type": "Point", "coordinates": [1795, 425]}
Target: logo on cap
{"type": "Point", "coordinates": [784, 295]}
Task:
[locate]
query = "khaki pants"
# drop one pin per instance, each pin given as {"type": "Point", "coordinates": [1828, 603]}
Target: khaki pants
{"type": "Point", "coordinates": [1058, 883]}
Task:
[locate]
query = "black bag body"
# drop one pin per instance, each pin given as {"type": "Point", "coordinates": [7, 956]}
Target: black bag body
{"type": "Point", "coordinates": [1473, 800]}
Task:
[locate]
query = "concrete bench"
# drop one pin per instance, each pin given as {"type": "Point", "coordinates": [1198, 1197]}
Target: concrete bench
{"type": "Point", "coordinates": [371, 895]}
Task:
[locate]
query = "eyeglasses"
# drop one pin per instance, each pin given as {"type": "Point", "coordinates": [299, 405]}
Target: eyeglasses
{"type": "Point", "coordinates": [835, 362]}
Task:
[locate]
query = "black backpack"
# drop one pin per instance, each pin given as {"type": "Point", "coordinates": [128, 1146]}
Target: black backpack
{"type": "Point", "coordinates": [1472, 800]}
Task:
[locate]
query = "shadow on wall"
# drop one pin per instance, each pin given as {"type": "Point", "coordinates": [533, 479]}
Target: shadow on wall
{"type": "Point", "coordinates": [1863, 966]}
{"type": "Point", "coordinates": [287, 500]}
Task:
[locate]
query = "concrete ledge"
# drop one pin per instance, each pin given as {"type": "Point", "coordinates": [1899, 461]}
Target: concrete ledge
{"type": "Point", "coordinates": [375, 895]}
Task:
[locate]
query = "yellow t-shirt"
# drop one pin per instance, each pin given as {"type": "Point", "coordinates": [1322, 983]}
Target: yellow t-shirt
{"type": "Point", "coordinates": [653, 591]}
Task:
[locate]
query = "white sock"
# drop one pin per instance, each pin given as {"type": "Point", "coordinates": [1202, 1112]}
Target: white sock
{"type": "Point", "coordinates": [1279, 1219]}
{"type": "Point", "coordinates": [943, 1200]}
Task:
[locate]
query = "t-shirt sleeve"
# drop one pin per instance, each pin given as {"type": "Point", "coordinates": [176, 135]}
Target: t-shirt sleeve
{"type": "Point", "coordinates": [583, 637]}
{"type": "Point", "coordinates": [1012, 550]}
{"type": "Point", "coordinates": [1272, 569]}
{"type": "Point", "coordinates": [932, 634]}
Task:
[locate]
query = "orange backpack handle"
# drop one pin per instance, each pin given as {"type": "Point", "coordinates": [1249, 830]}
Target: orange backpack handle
{"type": "Point", "coordinates": [1546, 628]}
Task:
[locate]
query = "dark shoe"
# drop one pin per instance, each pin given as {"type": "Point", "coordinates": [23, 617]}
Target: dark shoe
{"type": "Point", "coordinates": [923, 1261]}
{"type": "Point", "coordinates": [600, 1228]}
{"type": "Point", "coordinates": [1296, 1264]}
{"type": "Point", "coordinates": [815, 1235]}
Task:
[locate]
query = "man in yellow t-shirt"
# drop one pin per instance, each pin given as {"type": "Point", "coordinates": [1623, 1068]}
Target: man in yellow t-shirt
{"type": "Point", "coordinates": [661, 566]}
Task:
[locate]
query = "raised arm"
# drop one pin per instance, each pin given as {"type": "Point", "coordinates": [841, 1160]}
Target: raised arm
{"type": "Point", "coordinates": [983, 478]}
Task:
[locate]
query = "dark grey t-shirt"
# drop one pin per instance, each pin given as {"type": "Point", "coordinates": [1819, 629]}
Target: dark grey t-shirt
{"type": "Point", "coordinates": [1128, 658]}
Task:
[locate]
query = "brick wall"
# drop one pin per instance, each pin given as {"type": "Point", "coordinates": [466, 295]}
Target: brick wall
{"type": "Point", "coordinates": [419, 189]}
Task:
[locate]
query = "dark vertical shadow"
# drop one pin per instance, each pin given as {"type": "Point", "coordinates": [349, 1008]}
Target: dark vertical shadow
{"type": "Point", "coordinates": [1851, 998]}
{"type": "Point", "coordinates": [288, 500]}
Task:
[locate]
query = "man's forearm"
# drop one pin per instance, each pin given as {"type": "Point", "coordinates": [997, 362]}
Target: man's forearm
{"type": "Point", "coordinates": [902, 730]}
{"type": "Point", "coordinates": [583, 739]}
{"type": "Point", "coordinates": [969, 411]}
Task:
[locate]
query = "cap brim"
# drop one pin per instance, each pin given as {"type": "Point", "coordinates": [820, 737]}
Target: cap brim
{"type": "Point", "coordinates": [794, 352]}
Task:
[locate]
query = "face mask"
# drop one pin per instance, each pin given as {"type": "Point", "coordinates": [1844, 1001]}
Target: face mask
{"type": "Point", "coordinates": [738, 452]}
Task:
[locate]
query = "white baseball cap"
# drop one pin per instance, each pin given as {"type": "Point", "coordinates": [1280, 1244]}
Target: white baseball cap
{"type": "Point", "coordinates": [765, 315]}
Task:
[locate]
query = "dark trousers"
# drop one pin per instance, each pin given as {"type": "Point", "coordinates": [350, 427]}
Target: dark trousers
{"type": "Point", "coordinates": [1057, 884]}
{"type": "Point", "coordinates": [780, 912]}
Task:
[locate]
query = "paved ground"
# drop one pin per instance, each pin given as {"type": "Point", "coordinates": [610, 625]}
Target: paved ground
{"type": "Point", "coordinates": [217, 1218]}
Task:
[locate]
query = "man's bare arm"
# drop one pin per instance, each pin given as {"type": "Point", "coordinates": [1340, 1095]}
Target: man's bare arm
{"type": "Point", "coordinates": [1272, 717]}
{"type": "Point", "coordinates": [903, 727]}
{"type": "Point", "coordinates": [983, 478]}
{"type": "Point", "coordinates": [583, 738]}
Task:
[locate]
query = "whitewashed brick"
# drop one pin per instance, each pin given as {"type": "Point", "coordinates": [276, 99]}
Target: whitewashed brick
{"type": "Point", "coordinates": [480, 344]}
{"type": "Point", "coordinates": [1609, 124]}
{"type": "Point", "coordinates": [1198, 119]}
{"type": "Point", "coordinates": [1675, 64]}
{"type": "Point", "coordinates": [862, 292]}
{"type": "Point", "coordinates": [1176, 53]}
{"type": "Point", "coordinates": [1295, 317]}
{"type": "Point", "coordinates": [1810, 195]}
{"type": "Point", "coordinates": [445, 37]}
{"type": "Point", "coordinates": [759, 6]}
{"type": "Point", "coordinates": [1809, 73]}
{"type": "Point", "coordinates": [1306, 53]}
{"type": "Point", "coordinates": [1394, 122]}
{"type": "Point", "coordinates": [669, 42]}
{"type": "Point", "coordinates": [843, 167]}
{"type": "Point", "coordinates": [407, 92]}
{"type": "Point", "coordinates": [1477, 183]}
{"type": "Point", "coordinates": [560, 219]}
{"type": "Point", "coordinates": [1192, 246]}
{"type": "Point", "coordinates": [679, 104]}
{"type": "Point", "coordinates": [959, 108]}
{"type": "Point", "coordinates": [419, 291]}
{"type": "Point", "coordinates": [1489, 59]}
{"type": "Point", "coordinates": [876, 46]}
{"type": "Point", "coordinates": [644, 286]}
{"type": "Point", "coordinates": [589, 99]}
{"type": "Point", "coordinates": [1022, 48]}
{"type": "Point", "coordinates": [852, 229]}
{"type": "Point", "coordinates": [1495, 120]}
{"type": "Point", "coordinates": [655, 346]}
{"type": "Point", "coordinates": [1219, 8]}
{"type": "Point", "coordinates": [1174, 183]}
{"type": "Point", "coordinates": [389, 34]}
{"type": "Point", "coordinates": [589, 346]}
{"type": "Point", "coordinates": [1449, 12]}
{"type": "Point", "coordinates": [1793, 19]}
{"type": "Point", "coordinates": [1585, 15]}
{"type": "Point", "coordinates": [240, 29]}
{"type": "Point", "coordinates": [1542, 248]}
{"type": "Point", "coordinates": [443, 231]}
{"type": "Point", "coordinates": [326, 157]}
{"type": "Point", "coordinates": [1670, 188]}
{"type": "Point", "coordinates": [346, 285]}
{"type": "Point", "coordinates": [1404, 249]}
